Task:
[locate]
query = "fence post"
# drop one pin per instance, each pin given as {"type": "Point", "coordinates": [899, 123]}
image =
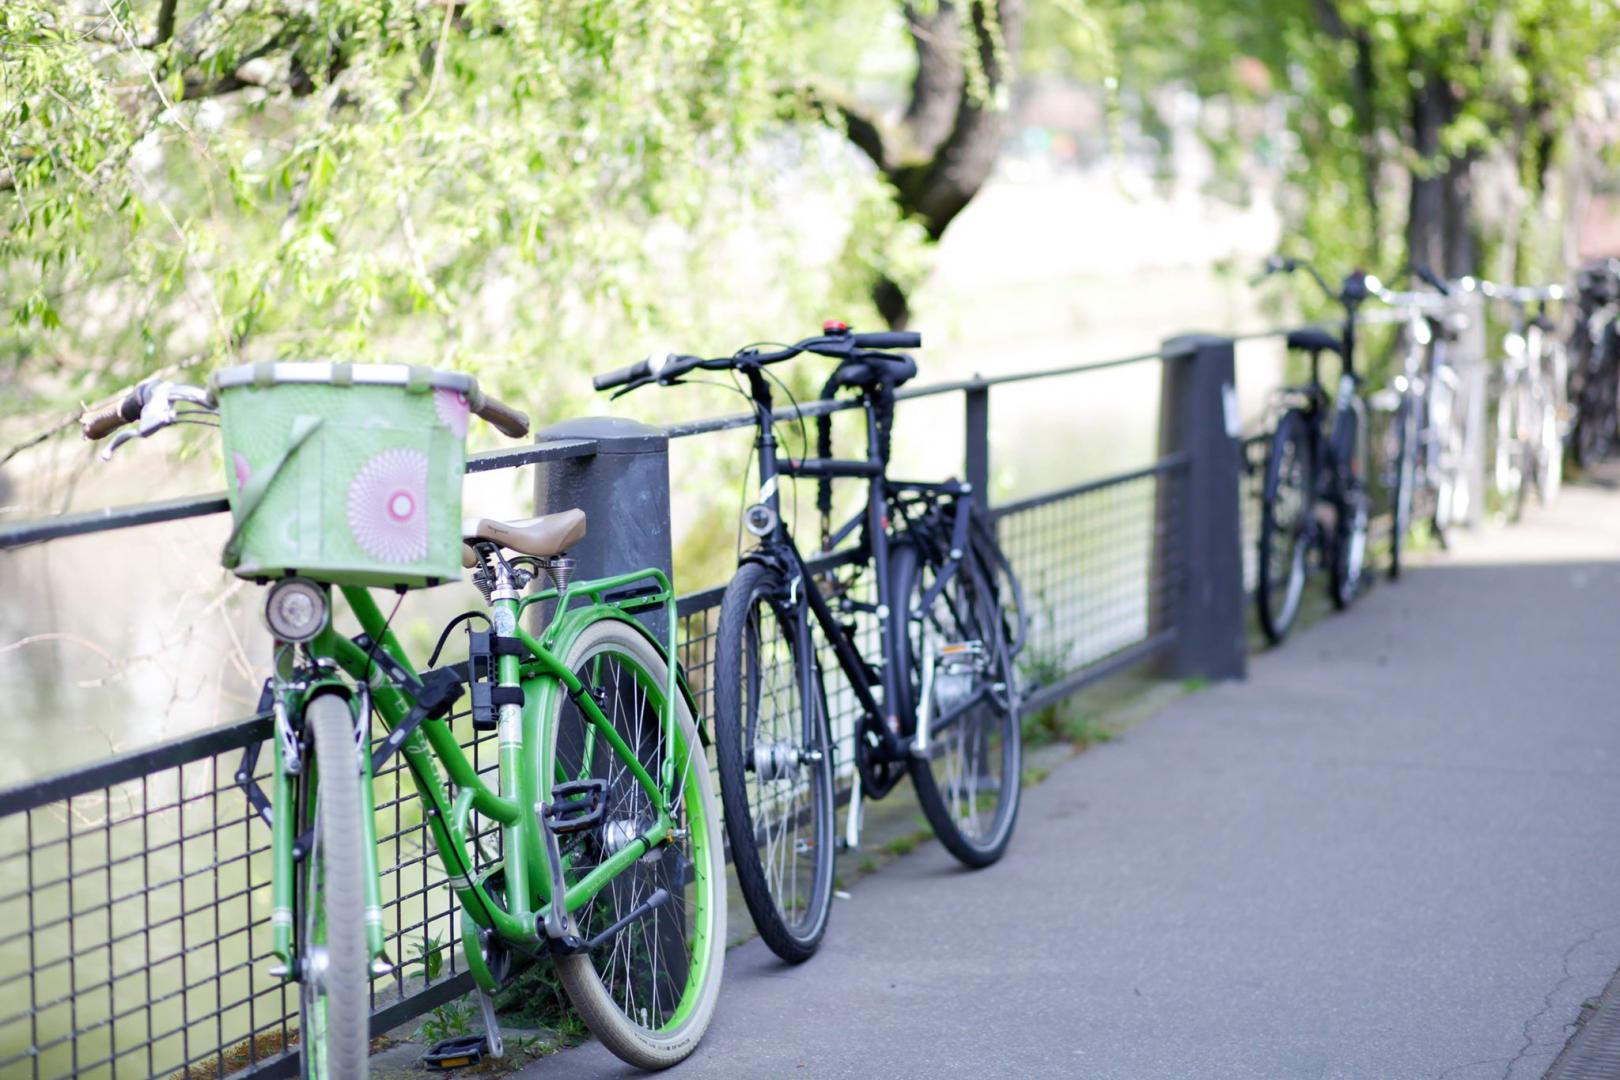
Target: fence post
{"type": "Point", "coordinates": [976, 442]}
{"type": "Point", "coordinates": [623, 489]}
{"type": "Point", "coordinates": [1198, 416]}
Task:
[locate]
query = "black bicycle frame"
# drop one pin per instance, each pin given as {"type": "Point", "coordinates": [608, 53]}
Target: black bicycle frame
{"type": "Point", "coordinates": [778, 549]}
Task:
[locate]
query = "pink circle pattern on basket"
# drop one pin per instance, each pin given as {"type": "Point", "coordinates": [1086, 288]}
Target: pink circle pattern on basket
{"type": "Point", "coordinates": [240, 462]}
{"type": "Point", "coordinates": [388, 506]}
{"type": "Point", "coordinates": [452, 408]}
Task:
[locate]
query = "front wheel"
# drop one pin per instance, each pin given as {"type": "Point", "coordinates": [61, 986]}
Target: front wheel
{"type": "Point", "coordinates": [953, 647]}
{"type": "Point", "coordinates": [1404, 437]}
{"type": "Point", "coordinates": [1350, 498]}
{"type": "Point", "coordinates": [776, 767]}
{"type": "Point", "coordinates": [1511, 452]}
{"type": "Point", "coordinates": [334, 996]}
{"type": "Point", "coordinates": [648, 991]}
{"type": "Point", "coordinates": [1286, 507]}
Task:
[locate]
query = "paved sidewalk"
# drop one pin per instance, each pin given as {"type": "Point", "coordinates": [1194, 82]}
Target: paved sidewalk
{"type": "Point", "coordinates": [1391, 853]}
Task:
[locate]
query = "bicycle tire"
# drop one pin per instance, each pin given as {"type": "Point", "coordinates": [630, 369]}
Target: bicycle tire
{"type": "Point", "coordinates": [663, 1028]}
{"type": "Point", "coordinates": [1405, 480]}
{"type": "Point", "coordinates": [790, 920]}
{"type": "Point", "coordinates": [1508, 469]}
{"type": "Point", "coordinates": [965, 610]}
{"type": "Point", "coordinates": [1289, 462]}
{"type": "Point", "coordinates": [334, 997]}
{"type": "Point", "coordinates": [1349, 556]}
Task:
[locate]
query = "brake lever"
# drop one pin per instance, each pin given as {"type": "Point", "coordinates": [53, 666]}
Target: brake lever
{"type": "Point", "coordinates": [118, 439]}
{"type": "Point", "coordinates": [637, 385]}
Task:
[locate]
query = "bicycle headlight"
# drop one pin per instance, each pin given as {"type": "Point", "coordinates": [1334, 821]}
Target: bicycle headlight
{"type": "Point", "coordinates": [295, 610]}
{"type": "Point", "coordinates": [759, 519]}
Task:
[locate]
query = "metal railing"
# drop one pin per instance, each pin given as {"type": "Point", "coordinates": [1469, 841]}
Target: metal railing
{"type": "Point", "coordinates": [137, 889]}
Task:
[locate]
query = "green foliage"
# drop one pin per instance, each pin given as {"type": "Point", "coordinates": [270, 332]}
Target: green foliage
{"type": "Point", "coordinates": [448, 1021]}
{"type": "Point", "coordinates": [501, 186]}
{"type": "Point", "coordinates": [427, 953]}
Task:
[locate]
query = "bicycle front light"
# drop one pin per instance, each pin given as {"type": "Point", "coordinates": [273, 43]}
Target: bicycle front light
{"type": "Point", "coordinates": [295, 610]}
{"type": "Point", "coordinates": [759, 519]}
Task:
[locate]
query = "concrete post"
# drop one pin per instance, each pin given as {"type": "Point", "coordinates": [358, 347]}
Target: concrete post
{"type": "Point", "coordinates": [1198, 416]}
{"type": "Point", "coordinates": [623, 489]}
{"type": "Point", "coordinates": [976, 428]}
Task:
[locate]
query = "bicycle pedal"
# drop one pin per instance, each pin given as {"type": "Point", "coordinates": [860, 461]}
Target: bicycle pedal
{"type": "Point", "coordinates": [459, 1052]}
{"type": "Point", "coordinates": [576, 805]}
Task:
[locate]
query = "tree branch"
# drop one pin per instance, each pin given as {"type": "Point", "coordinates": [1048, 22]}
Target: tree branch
{"type": "Point", "coordinates": [165, 22]}
{"type": "Point", "coordinates": [863, 129]}
{"type": "Point", "coordinates": [936, 88]}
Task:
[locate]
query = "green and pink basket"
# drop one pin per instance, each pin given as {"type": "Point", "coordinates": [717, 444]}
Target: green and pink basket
{"type": "Point", "coordinates": [345, 473]}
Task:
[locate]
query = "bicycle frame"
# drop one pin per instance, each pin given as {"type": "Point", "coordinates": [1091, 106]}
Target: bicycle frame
{"type": "Point", "coordinates": [778, 548]}
{"type": "Point", "coordinates": [527, 906]}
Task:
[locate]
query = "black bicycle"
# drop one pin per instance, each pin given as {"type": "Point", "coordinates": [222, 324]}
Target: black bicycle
{"type": "Point", "coordinates": [1317, 461]}
{"type": "Point", "coordinates": [940, 701]}
{"type": "Point", "coordinates": [1594, 369]}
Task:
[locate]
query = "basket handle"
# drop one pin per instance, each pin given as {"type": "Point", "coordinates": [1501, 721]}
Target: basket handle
{"type": "Point", "coordinates": [258, 485]}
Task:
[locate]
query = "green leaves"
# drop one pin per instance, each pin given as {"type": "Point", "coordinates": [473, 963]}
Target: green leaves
{"type": "Point", "coordinates": [380, 179]}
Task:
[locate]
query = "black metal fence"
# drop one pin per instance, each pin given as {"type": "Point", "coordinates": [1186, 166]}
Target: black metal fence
{"type": "Point", "coordinates": [137, 890]}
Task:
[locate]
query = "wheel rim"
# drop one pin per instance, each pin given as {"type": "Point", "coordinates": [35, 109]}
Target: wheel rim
{"type": "Point", "coordinates": [1552, 465]}
{"type": "Point", "coordinates": [1290, 514]}
{"type": "Point", "coordinates": [312, 996]}
{"type": "Point", "coordinates": [784, 787]}
{"type": "Point", "coordinates": [654, 969]}
{"type": "Point", "coordinates": [971, 760]}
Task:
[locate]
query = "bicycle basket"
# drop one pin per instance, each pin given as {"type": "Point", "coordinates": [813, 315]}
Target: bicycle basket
{"type": "Point", "coordinates": [344, 473]}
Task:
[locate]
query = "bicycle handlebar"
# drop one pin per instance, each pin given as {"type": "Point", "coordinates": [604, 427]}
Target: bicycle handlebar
{"type": "Point", "coordinates": [1346, 294]}
{"type": "Point", "coordinates": [513, 423]}
{"type": "Point", "coordinates": [1430, 278]}
{"type": "Point", "coordinates": [100, 425]}
{"type": "Point", "coordinates": [668, 368]}
{"type": "Point", "coordinates": [499, 415]}
{"type": "Point", "coordinates": [641, 369]}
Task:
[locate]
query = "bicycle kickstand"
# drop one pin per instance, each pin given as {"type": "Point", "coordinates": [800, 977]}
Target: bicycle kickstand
{"type": "Point", "coordinates": [852, 820]}
{"type": "Point", "coordinates": [492, 1027]}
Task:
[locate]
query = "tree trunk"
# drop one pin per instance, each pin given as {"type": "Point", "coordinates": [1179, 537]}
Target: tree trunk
{"type": "Point", "coordinates": [949, 137]}
{"type": "Point", "coordinates": [1440, 228]}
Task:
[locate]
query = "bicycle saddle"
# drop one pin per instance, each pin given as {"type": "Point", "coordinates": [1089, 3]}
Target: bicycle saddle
{"type": "Point", "coordinates": [548, 534]}
{"type": "Point", "coordinates": [870, 369]}
{"type": "Point", "coordinates": [1313, 340]}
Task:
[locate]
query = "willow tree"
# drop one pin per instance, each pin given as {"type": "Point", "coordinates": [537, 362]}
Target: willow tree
{"type": "Point", "coordinates": [939, 149]}
{"type": "Point", "coordinates": [1397, 106]}
{"type": "Point", "coordinates": [184, 182]}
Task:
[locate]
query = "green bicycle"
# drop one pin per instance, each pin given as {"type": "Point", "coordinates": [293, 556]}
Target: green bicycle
{"type": "Point", "coordinates": [610, 861]}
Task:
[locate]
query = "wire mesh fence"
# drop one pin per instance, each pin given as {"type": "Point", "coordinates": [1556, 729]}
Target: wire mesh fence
{"type": "Point", "coordinates": [137, 892]}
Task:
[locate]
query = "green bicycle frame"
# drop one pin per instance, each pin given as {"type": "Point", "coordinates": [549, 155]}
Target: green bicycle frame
{"type": "Point", "coordinates": [522, 785]}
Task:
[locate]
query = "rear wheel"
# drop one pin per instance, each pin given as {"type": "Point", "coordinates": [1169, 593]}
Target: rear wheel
{"type": "Point", "coordinates": [334, 994]}
{"type": "Point", "coordinates": [648, 991]}
{"type": "Point", "coordinates": [1287, 503]}
{"type": "Point", "coordinates": [1595, 422]}
{"type": "Point", "coordinates": [954, 646]}
{"type": "Point", "coordinates": [775, 766]}
{"type": "Point", "coordinates": [1350, 499]}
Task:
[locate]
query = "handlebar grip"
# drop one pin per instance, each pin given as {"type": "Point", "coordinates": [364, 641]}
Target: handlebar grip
{"type": "Point", "coordinates": [638, 370]}
{"type": "Point", "coordinates": [889, 339]}
{"type": "Point", "coordinates": [502, 417]}
{"type": "Point", "coordinates": [100, 425]}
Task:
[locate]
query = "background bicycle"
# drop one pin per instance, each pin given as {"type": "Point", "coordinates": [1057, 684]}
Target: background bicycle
{"type": "Point", "coordinates": [1314, 502]}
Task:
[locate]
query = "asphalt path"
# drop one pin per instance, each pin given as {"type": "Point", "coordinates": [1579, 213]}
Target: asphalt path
{"type": "Point", "coordinates": [1390, 853]}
